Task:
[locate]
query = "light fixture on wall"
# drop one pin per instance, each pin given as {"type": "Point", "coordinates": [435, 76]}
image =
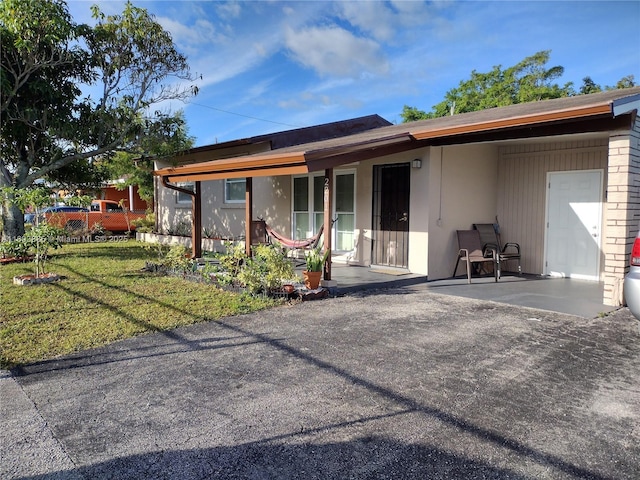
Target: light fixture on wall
{"type": "Point", "coordinates": [417, 163]}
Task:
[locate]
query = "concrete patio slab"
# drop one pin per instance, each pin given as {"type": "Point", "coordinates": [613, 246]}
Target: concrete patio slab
{"type": "Point", "coordinates": [565, 295]}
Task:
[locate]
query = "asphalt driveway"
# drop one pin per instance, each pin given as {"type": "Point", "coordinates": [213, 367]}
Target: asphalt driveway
{"type": "Point", "coordinates": [402, 383]}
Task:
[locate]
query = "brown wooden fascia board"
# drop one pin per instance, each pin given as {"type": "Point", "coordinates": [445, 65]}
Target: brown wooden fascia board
{"type": "Point", "coordinates": [362, 154]}
{"type": "Point", "coordinates": [585, 125]}
{"type": "Point", "coordinates": [311, 163]}
{"type": "Point", "coordinates": [275, 163]}
{"type": "Point", "coordinates": [235, 164]}
{"type": "Point", "coordinates": [521, 121]}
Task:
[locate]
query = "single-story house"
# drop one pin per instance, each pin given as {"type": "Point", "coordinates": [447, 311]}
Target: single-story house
{"type": "Point", "coordinates": [561, 176]}
{"type": "Point", "coordinates": [224, 200]}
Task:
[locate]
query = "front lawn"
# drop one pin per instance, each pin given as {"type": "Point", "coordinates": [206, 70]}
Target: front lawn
{"type": "Point", "coordinates": [104, 297]}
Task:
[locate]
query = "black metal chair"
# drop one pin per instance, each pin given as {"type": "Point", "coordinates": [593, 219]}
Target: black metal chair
{"type": "Point", "coordinates": [490, 238]}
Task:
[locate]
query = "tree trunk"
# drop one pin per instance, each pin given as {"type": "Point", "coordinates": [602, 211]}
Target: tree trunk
{"type": "Point", "coordinates": [12, 221]}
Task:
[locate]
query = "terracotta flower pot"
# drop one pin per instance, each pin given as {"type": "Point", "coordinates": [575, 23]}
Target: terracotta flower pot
{"type": "Point", "coordinates": [311, 279]}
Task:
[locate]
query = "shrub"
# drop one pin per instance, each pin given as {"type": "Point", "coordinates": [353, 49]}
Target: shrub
{"type": "Point", "coordinates": [18, 248]}
{"type": "Point", "coordinates": [266, 270]}
{"type": "Point", "coordinates": [279, 267]}
{"type": "Point", "coordinates": [177, 259]}
{"type": "Point", "coordinates": [182, 229]}
{"type": "Point", "coordinates": [146, 224]}
{"type": "Point", "coordinates": [229, 263]}
{"type": "Point", "coordinates": [213, 233]}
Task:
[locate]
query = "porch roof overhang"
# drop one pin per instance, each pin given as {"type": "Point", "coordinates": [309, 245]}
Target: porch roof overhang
{"type": "Point", "coordinates": [293, 161]}
{"type": "Point", "coordinates": [581, 114]}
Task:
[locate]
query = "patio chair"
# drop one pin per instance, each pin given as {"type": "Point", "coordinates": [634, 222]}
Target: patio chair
{"type": "Point", "coordinates": [472, 252]}
{"type": "Point", "coordinates": [490, 237]}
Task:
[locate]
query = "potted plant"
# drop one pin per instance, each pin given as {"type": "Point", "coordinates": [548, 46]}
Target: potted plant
{"type": "Point", "coordinates": [314, 261]}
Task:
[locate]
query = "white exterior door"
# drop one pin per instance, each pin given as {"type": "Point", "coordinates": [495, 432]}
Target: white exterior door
{"type": "Point", "coordinates": [574, 224]}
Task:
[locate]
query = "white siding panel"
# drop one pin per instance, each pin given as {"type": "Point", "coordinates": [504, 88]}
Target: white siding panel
{"type": "Point", "coordinates": [522, 174]}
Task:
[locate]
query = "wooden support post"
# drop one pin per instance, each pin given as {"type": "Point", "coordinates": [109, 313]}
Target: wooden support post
{"type": "Point", "coordinates": [328, 195]}
{"type": "Point", "coordinates": [196, 233]}
{"type": "Point", "coordinates": [248, 198]}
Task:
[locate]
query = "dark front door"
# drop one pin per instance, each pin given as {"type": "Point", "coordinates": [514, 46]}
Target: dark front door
{"type": "Point", "coordinates": [391, 215]}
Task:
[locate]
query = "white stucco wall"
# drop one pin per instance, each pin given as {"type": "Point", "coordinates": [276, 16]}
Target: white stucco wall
{"type": "Point", "coordinates": [217, 216]}
{"type": "Point", "coordinates": [271, 202]}
{"type": "Point", "coordinates": [443, 200]}
{"type": "Point", "coordinates": [462, 191]}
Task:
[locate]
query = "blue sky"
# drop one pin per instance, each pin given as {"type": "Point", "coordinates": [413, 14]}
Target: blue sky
{"type": "Point", "coordinates": [268, 66]}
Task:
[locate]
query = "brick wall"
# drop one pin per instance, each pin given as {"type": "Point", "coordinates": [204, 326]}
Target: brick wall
{"type": "Point", "coordinates": [622, 209]}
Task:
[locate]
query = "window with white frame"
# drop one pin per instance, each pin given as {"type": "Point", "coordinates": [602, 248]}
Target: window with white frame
{"type": "Point", "coordinates": [308, 208]}
{"type": "Point", "coordinates": [183, 198]}
{"type": "Point", "coordinates": [234, 190]}
{"type": "Point", "coordinates": [345, 211]}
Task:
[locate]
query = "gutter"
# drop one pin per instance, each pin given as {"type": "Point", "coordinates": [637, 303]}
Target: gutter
{"type": "Point", "coordinates": [196, 225]}
{"type": "Point", "coordinates": [186, 191]}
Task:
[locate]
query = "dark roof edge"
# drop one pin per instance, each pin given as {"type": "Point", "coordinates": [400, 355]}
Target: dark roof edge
{"type": "Point", "coordinates": [287, 138]}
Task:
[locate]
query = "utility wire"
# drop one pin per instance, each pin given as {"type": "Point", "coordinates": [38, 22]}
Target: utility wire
{"type": "Point", "coordinates": [245, 116]}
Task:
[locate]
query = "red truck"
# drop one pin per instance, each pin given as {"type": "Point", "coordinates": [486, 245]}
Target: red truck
{"type": "Point", "coordinates": [102, 216]}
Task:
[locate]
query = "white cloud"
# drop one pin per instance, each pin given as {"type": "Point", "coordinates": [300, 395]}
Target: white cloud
{"type": "Point", "coordinates": [333, 84]}
{"type": "Point", "coordinates": [292, 104]}
{"type": "Point", "coordinates": [372, 17]}
{"type": "Point", "coordinates": [335, 51]}
{"type": "Point", "coordinates": [223, 66]}
{"type": "Point", "coordinates": [260, 48]}
{"type": "Point", "coordinates": [415, 10]}
{"type": "Point", "coordinates": [228, 10]}
{"type": "Point", "coordinates": [287, 10]}
{"type": "Point", "coordinates": [384, 21]}
{"type": "Point", "coordinates": [186, 36]}
{"type": "Point", "coordinates": [258, 89]}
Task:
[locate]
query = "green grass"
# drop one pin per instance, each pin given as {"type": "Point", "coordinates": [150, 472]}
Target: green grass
{"type": "Point", "coordinates": [104, 297]}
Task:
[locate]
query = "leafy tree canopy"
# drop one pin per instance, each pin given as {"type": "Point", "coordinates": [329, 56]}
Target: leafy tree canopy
{"type": "Point", "coordinates": [528, 81]}
{"type": "Point", "coordinates": [163, 138]}
{"type": "Point", "coordinates": [50, 130]}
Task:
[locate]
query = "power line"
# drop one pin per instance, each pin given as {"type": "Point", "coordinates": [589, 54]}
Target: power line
{"type": "Point", "coordinates": [245, 116]}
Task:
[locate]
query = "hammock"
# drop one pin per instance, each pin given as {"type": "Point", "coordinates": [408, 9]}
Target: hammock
{"type": "Point", "coordinates": [289, 243]}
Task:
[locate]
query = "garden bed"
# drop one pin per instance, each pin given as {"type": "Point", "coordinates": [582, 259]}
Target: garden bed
{"type": "Point", "coordinates": [208, 244]}
{"type": "Point", "coordinates": [36, 280]}
{"type": "Point", "coordinates": [298, 291]}
{"type": "Point", "coordinates": [266, 273]}
{"type": "Point", "coordinates": [8, 260]}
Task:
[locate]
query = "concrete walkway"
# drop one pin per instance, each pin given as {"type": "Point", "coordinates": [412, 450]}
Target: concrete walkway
{"type": "Point", "coordinates": [403, 383]}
